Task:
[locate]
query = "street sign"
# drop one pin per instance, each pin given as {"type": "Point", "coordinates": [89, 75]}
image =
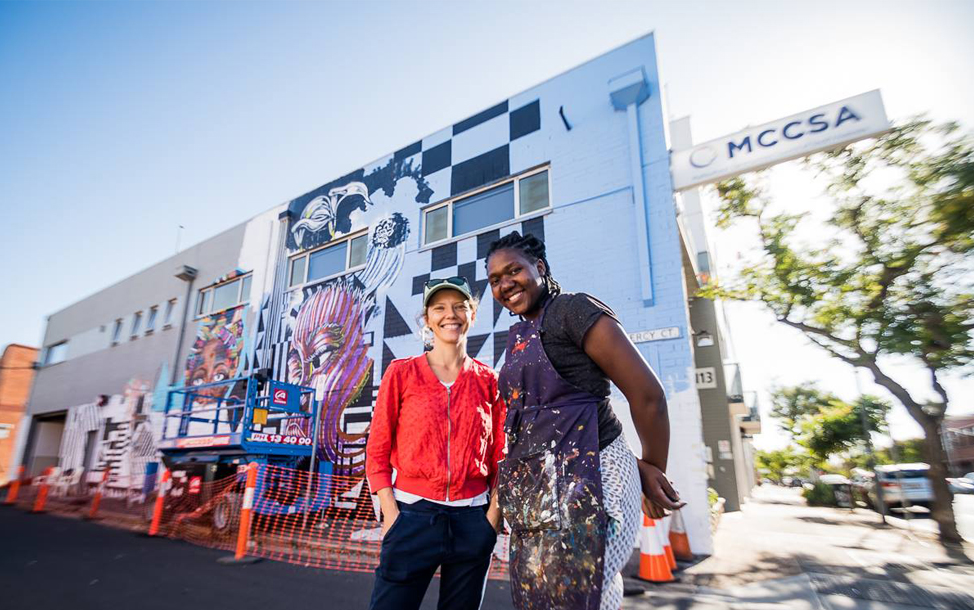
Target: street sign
{"type": "Point", "coordinates": [656, 334]}
{"type": "Point", "coordinates": [830, 126]}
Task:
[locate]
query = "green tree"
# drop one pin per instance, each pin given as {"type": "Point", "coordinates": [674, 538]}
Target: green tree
{"type": "Point", "coordinates": [837, 427]}
{"type": "Point", "coordinates": [790, 404]}
{"type": "Point", "coordinates": [891, 275]}
{"type": "Point", "coordinates": [777, 463]}
{"type": "Point", "coordinates": [906, 452]}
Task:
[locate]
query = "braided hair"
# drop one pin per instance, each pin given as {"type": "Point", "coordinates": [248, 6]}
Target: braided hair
{"type": "Point", "coordinates": [533, 249]}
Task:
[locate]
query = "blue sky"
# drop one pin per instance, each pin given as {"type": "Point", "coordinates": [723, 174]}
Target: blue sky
{"type": "Point", "coordinates": [121, 121]}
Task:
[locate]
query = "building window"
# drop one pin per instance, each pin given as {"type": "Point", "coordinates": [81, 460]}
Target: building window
{"type": "Point", "coordinates": [332, 260]}
{"type": "Point", "coordinates": [136, 324]}
{"type": "Point", "coordinates": [522, 195]}
{"type": "Point", "coordinates": [56, 353]}
{"type": "Point", "coordinates": [150, 322]}
{"type": "Point", "coordinates": [117, 332]}
{"type": "Point", "coordinates": [167, 317]}
{"type": "Point", "coordinates": [218, 297]}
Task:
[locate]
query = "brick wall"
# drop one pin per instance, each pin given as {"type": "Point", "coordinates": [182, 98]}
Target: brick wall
{"type": "Point", "coordinates": [16, 376]}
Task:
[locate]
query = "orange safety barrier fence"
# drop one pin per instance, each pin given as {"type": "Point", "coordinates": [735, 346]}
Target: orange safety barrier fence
{"type": "Point", "coordinates": [321, 520]}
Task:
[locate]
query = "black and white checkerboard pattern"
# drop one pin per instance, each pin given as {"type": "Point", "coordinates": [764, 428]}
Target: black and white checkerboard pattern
{"type": "Point", "coordinates": [488, 339]}
{"type": "Point", "coordinates": [475, 151]}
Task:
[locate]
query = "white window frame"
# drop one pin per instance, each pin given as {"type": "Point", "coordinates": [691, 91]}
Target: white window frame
{"type": "Point", "coordinates": [167, 316]}
{"type": "Point", "coordinates": [332, 244]}
{"type": "Point", "coordinates": [47, 353]}
{"type": "Point", "coordinates": [151, 319]}
{"type": "Point", "coordinates": [117, 331]}
{"type": "Point", "coordinates": [242, 299]}
{"type": "Point", "coordinates": [518, 216]}
{"type": "Point", "coordinates": [136, 325]}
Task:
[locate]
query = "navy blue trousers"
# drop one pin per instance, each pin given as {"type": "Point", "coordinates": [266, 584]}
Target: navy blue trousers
{"type": "Point", "coordinates": [427, 536]}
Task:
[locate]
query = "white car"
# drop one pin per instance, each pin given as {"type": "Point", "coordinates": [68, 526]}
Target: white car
{"type": "Point", "coordinates": [904, 483]}
{"type": "Point", "coordinates": [961, 485]}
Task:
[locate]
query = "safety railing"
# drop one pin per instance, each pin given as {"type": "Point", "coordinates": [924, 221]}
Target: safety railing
{"type": "Point", "coordinates": [318, 520]}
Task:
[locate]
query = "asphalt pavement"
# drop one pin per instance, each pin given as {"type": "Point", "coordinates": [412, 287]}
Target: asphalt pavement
{"type": "Point", "coordinates": [50, 562]}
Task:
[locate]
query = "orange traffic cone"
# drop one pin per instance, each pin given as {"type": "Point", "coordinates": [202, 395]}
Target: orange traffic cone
{"type": "Point", "coordinates": [653, 566]}
{"type": "Point", "coordinates": [678, 537]}
{"type": "Point", "coordinates": [663, 529]}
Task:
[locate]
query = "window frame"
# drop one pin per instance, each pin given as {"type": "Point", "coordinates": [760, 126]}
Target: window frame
{"type": "Point", "coordinates": [150, 320]}
{"type": "Point", "coordinates": [306, 255]}
{"type": "Point", "coordinates": [47, 352]}
{"type": "Point", "coordinates": [201, 294]}
{"type": "Point", "coordinates": [117, 331]}
{"type": "Point", "coordinates": [167, 316]}
{"type": "Point", "coordinates": [518, 216]}
{"type": "Point", "coordinates": [136, 325]}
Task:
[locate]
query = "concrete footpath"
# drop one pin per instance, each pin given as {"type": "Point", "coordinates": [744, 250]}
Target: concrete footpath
{"type": "Point", "coordinates": [778, 553]}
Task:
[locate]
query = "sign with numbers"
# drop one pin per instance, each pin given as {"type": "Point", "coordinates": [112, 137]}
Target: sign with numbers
{"type": "Point", "coordinates": [707, 378]}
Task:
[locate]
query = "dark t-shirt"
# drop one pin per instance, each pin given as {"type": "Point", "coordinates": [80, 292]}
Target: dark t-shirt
{"type": "Point", "coordinates": [568, 318]}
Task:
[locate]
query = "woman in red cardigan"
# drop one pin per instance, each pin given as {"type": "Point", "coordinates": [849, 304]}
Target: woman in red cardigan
{"type": "Point", "coordinates": [435, 441]}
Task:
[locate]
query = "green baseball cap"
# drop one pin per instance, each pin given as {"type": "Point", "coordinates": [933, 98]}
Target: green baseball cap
{"type": "Point", "coordinates": [457, 282]}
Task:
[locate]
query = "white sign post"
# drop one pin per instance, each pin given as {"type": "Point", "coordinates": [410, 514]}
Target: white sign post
{"type": "Point", "coordinates": [798, 135]}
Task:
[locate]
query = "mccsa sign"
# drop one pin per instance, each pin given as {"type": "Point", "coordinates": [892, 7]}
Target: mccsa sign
{"type": "Point", "coordinates": [802, 134]}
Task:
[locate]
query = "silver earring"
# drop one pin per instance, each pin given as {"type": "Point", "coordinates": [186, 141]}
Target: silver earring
{"type": "Point", "coordinates": [427, 336]}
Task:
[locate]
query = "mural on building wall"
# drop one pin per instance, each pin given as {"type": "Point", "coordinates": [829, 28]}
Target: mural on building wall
{"type": "Point", "coordinates": [328, 211]}
{"type": "Point", "coordinates": [115, 433]}
{"type": "Point", "coordinates": [217, 355]}
{"type": "Point", "coordinates": [325, 339]}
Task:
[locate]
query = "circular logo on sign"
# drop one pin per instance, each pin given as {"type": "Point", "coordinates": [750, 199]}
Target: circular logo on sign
{"type": "Point", "coordinates": [703, 156]}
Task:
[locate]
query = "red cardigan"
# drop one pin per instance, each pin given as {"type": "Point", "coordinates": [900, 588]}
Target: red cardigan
{"type": "Point", "coordinates": [444, 445]}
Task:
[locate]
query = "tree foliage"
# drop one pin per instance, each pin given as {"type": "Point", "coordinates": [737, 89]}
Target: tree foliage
{"type": "Point", "coordinates": [778, 463]}
{"type": "Point", "coordinates": [889, 275]}
{"type": "Point", "coordinates": [823, 423]}
{"type": "Point", "coordinates": [837, 427]}
{"type": "Point", "coordinates": [906, 452]}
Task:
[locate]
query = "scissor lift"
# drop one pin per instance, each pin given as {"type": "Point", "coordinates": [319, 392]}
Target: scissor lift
{"type": "Point", "coordinates": [214, 430]}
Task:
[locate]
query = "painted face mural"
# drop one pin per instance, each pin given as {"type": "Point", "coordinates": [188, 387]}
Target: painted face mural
{"type": "Point", "coordinates": [328, 350]}
{"type": "Point", "coordinates": [215, 355]}
{"type": "Point", "coordinates": [327, 353]}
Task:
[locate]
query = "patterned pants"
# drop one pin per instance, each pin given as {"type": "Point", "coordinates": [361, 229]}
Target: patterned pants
{"type": "Point", "coordinates": [622, 492]}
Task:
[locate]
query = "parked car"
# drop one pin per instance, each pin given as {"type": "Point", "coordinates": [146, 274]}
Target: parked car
{"type": "Point", "coordinates": [961, 485]}
{"type": "Point", "coordinates": [841, 489]}
{"type": "Point", "coordinates": [861, 481]}
{"type": "Point", "coordinates": [902, 484]}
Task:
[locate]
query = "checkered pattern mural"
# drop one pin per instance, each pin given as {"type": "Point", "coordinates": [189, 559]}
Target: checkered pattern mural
{"type": "Point", "coordinates": [341, 334]}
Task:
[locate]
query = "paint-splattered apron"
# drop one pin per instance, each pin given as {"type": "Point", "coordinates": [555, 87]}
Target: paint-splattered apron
{"type": "Point", "coordinates": [550, 485]}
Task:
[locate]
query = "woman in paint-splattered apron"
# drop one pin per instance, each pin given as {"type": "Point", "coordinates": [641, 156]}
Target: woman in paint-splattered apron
{"type": "Point", "coordinates": [570, 487]}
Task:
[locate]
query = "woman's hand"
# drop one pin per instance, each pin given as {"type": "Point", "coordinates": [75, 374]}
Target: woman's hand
{"type": "Point", "coordinates": [388, 518]}
{"type": "Point", "coordinates": [659, 495]}
{"type": "Point", "coordinates": [494, 515]}
{"type": "Point", "coordinates": [495, 518]}
{"type": "Point", "coordinates": [389, 508]}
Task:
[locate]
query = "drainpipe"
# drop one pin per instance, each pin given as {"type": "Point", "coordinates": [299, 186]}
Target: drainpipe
{"type": "Point", "coordinates": [627, 92]}
{"type": "Point", "coordinates": [188, 275]}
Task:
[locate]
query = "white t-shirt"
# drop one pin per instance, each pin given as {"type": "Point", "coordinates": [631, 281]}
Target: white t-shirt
{"type": "Point", "coordinates": [407, 498]}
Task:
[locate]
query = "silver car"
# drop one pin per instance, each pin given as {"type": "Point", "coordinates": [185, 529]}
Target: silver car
{"type": "Point", "coordinates": [902, 484]}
